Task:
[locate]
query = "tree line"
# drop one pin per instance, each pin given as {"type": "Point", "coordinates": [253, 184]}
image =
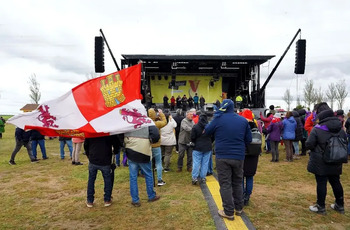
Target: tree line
{"type": "Point", "coordinates": [336, 93]}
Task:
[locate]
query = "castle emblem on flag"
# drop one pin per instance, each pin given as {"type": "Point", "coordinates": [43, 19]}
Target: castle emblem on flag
{"type": "Point", "coordinates": [46, 118]}
{"type": "Point", "coordinates": [112, 90]}
{"type": "Point", "coordinates": [134, 117]}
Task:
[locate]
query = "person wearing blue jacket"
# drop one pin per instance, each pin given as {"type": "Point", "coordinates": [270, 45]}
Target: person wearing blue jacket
{"type": "Point", "coordinates": [232, 133]}
{"type": "Point", "coordinates": [288, 134]}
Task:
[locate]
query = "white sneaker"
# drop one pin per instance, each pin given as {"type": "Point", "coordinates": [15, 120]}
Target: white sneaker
{"type": "Point", "coordinates": [161, 183]}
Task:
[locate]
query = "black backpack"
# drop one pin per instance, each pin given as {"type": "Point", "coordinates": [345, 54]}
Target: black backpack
{"type": "Point", "coordinates": [254, 148]}
{"type": "Point", "coordinates": [336, 150]}
{"type": "Point", "coordinates": [154, 134]}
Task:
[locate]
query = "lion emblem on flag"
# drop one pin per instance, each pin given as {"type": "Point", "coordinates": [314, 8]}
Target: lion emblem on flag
{"type": "Point", "coordinates": [46, 118]}
{"type": "Point", "coordinates": [134, 117]}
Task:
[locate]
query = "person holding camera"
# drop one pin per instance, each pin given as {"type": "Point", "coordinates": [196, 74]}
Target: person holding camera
{"type": "Point", "coordinates": [184, 139]}
{"type": "Point", "coordinates": [159, 121]}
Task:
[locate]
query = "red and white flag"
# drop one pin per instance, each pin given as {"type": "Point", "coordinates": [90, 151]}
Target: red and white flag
{"type": "Point", "coordinates": [101, 106]}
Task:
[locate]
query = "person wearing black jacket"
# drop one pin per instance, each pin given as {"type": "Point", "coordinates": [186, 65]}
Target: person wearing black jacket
{"type": "Point", "coordinates": [347, 127]}
{"type": "Point", "coordinates": [298, 134]}
{"type": "Point", "coordinates": [201, 153]}
{"type": "Point", "coordinates": [22, 139]}
{"type": "Point", "coordinates": [327, 125]}
{"type": "Point", "coordinates": [178, 118]}
{"type": "Point", "coordinates": [36, 138]}
{"type": "Point", "coordinates": [99, 152]}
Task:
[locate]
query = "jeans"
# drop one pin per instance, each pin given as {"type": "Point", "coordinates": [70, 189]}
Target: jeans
{"type": "Point", "coordinates": [117, 156]}
{"type": "Point", "coordinates": [18, 147]}
{"type": "Point", "coordinates": [42, 148]}
{"type": "Point", "coordinates": [70, 147]}
{"type": "Point", "coordinates": [248, 186]}
{"type": "Point", "coordinates": [157, 155]}
{"type": "Point", "coordinates": [146, 169]}
{"type": "Point", "coordinates": [296, 147]}
{"type": "Point", "coordinates": [322, 189]}
{"type": "Point", "coordinates": [230, 175]}
{"type": "Point", "coordinates": [106, 173]}
{"type": "Point", "coordinates": [182, 149]}
{"type": "Point", "coordinates": [210, 163]}
{"type": "Point", "coordinates": [200, 164]}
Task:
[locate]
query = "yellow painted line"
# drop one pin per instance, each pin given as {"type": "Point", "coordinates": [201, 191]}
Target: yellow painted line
{"type": "Point", "coordinates": [214, 189]}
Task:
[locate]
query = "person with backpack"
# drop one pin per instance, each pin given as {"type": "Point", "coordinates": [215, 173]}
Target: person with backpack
{"type": "Point", "coordinates": [328, 126]}
{"type": "Point", "coordinates": [139, 152]}
{"type": "Point", "coordinates": [251, 159]}
{"type": "Point", "coordinates": [274, 131]}
{"type": "Point", "coordinates": [347, 127]}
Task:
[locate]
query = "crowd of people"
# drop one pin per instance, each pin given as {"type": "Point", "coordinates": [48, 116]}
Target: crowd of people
{"type": "Point", "coordinates": [197, 135]}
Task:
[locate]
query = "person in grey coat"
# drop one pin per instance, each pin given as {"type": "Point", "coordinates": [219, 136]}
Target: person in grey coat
{"type": "Point", "coordinates": [327, 125]}
{"type": "Point", "coordinates": [184, 141]}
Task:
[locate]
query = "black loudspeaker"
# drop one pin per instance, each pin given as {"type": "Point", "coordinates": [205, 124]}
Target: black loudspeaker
{"type": "Point", "coordinates": [300, 56]}
{"type": "Point", "coordinates": [99, 55]}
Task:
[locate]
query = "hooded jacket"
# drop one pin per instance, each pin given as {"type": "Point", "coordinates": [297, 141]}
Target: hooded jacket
{"type": "Point", "coordinates": [299, 128]}
{"type": "Point", "coordinates": [316, 142]}
{"type": "Point", "coordinates": [99, 149]}
{"type": "Point", "coordinates": [168, 133]}
{"type": "Point", "coordinates": [158, 123]}
{"type": "Point", "coordinates": [231, 132]}
{"type": "Point", "coordinates": [202, 141]}
{"type": "Point", "coordinates": [289, 126]}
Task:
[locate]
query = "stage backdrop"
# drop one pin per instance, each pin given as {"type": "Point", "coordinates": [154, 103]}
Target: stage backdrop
{"type": "Point", "coordinates": [188, 85]}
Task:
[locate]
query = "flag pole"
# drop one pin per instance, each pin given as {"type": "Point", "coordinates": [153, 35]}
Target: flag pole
{"type": "Point", "coordinates": [115, 62]}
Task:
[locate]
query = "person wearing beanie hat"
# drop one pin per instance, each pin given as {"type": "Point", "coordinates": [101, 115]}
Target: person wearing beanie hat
{"type": "Point", "coordinates": [327, 126]}
{"type": "Point", "coordinates": [232, 134]}
{"type": "Point", "coordinates": [250, 161]}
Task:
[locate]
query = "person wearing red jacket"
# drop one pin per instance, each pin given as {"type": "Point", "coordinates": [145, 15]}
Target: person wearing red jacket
{"type": "Point", "coordinates": [267, 120]}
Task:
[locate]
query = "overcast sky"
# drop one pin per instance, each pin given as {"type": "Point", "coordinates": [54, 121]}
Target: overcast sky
{"type": "Point", "coordinates": [55, 40]}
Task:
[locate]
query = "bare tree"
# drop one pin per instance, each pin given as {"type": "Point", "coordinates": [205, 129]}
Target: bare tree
{"type": "Point", "coordinates": [309, 93]}
{"type": "Point", "coordinates": [341, 93]}
{"type": "Point", "coordinates": [35, 94]}
{"type": "Point", "coordinates": [331, 94]}
{"type": "Point", "coordinates": [319, 96]}
{"type": "Point", "coordinates": [288, 98]}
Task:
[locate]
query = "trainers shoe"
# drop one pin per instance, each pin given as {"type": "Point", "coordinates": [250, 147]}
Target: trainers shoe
{"type": "Point", "coordinates": [35, 161]}
{"type": "Point", "coordinates": [73, 162]}
{"type": "Point", "coordinates": [78, 163]}
{"type": "Point", "coordinates": [222, 214]}
{"type": "Point", "coordinates": [137, 204]}
{"type": "Point", "coordinates": [239, 212]}
{"type": "Point", "coordinates": [12, 162]}
{"type": "Point", "coordinates": [166, 170]}
{"type": "Point", "coordinates": [89, 205]}
{"type": "Point", "coordinates": [154, 199]}
{"type": "Point", "coordinates": [45, 158]}
{"type": "Point", "coordinates": [318, 209]}
{"type": "Point", "coordinates": [202, 181]}
{"type": "Point", "coordinates": [338, 208]}
{"type": "Point", "coordinates": [194, 181]}
{"type": "Point", "coordinates": [108, 203]}
{"type": "Point", "coordinates": [161, 183]}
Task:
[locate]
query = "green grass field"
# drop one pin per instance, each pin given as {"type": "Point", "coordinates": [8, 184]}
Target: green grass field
{"type": "Point", "coordinates": [51, 195]}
